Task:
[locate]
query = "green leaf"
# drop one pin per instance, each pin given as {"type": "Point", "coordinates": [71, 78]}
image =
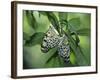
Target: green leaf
{"type": "Point", "coordinates": [63, 16]}
{"type": "Point", "coordinates": [35, 39]}
{"type": "Point", "coordinates": [42, 13]}
{"type": "Point", "coordinates": [53, 19]}
{"type": "Point", "coordinates": [85, 45]}
{"type": "Point", "coordinates": [31, 19]}
{"type": "Point", "coordinates": [27, 28]}
{"type": "Point", "coordinates": [74, 24]}
{"type": "Point", "coordinates": [41, 21]}
{"type": "Point", "coordinates": [26, 36]}
{"type": "Point", "coordinates": [73, 58]}
{"type": "Point", "coordinates": [80, 58]}
{"type": "Point", "coordinates": [55, 60]}
{"type": "Point", "coordinates": [50, 60]}
{"type": "Point", "coordinates": [53, 55]}
{"type": "Point", "coordinates": [83, 32]}
{"type": "Point", "coordinates": [77, 40]}
{"type": "Point", "coordinates": [58, 61]}
{"type": "Point", "coordinates": [85, 19]}
{"type": "Point", "coordinates": [50, 63]}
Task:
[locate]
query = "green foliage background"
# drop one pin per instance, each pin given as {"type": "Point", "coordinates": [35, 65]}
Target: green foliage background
{"type": "Point", "coordinates": [36, 23]}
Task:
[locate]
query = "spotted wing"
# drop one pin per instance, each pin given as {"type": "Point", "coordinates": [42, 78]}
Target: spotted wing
{"type": "Point", "coordinates": [50, 40]}
{"type": "Point", "coordinates": [64, 49]}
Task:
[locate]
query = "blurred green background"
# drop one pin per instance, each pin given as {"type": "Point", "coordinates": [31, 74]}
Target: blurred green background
{"type": "Point", "coordinates": [36, 23]}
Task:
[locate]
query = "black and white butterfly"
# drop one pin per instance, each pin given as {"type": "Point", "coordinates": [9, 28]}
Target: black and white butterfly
{"type": "Point", "coordinates": [52, 39]}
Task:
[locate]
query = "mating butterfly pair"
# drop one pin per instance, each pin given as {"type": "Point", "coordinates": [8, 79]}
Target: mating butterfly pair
{"type": "Point", "coordinates": [52, 39]}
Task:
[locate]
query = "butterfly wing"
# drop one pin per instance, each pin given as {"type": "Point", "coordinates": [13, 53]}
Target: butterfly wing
{"type": "Point", "coordinates": [64, 49]}
{"type": "Point", "coordinates": [50, 40]}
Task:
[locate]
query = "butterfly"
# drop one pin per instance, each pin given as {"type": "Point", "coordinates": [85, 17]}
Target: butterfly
{"type": "Point", "coordinates": [52, 39]}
